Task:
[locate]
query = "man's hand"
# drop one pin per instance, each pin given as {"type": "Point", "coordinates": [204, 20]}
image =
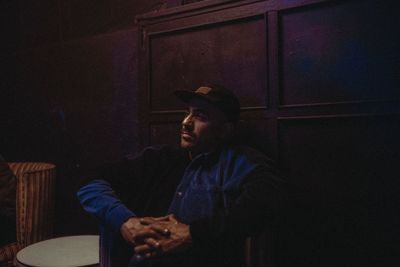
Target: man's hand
{"type": "Point", "coordinates": [175, 237]}
{"type": "Point", "coordinates": [130, 228]}
{"type": "Point", "coordinates": [134, 232]}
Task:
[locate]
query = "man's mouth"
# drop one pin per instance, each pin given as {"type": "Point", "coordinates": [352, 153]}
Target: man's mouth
{"type": "Point", "coordinates": [186, 135]}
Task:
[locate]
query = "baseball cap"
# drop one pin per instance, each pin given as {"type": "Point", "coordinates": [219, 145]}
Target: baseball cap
{"type": "Point", "coordinates": [222, 98]}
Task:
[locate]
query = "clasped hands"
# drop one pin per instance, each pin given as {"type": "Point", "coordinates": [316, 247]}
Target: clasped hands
{"type": "Point", "coordinates": [154, 236]}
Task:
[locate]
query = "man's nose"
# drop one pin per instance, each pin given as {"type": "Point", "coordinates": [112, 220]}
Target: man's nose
{"type": "Point", "coordinates": [187, 121]}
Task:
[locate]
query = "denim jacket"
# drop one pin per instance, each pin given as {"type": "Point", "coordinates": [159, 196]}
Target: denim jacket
{"type": "Point", "coordinates": [209, 185]}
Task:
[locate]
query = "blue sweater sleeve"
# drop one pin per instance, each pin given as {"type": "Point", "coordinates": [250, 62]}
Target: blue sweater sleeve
{"type": "Point", "coordinates": [99, 199]}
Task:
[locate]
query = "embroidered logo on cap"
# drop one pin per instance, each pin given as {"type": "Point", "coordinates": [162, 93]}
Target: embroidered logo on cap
{"type": "Point", "coordinates": [203, 90]}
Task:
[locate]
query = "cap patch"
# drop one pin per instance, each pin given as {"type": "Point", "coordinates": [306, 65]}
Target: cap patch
{"type": "Point", "coordinates": [203, 90]}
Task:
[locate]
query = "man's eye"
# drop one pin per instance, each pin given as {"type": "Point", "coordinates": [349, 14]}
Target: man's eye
{"type": "Point", "coordinates": [201, 116]}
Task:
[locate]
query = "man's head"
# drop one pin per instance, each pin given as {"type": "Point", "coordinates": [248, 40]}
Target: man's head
{"type": "Point", "coordinates": [212, 114]}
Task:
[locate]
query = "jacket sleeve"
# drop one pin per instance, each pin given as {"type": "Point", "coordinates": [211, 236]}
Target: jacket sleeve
{"type": "Point", "coordinates": [261, 201]}
{"type": "Point", "coordinates": [117, 192]}
{"type": "Point", "coordinates": [99, 199]}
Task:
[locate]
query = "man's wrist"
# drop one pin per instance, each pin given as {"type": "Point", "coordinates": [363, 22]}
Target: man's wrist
{"type": "Point", "coordinates": [118, 216]}
{"type": "Point", "coordinates": [130, 221]}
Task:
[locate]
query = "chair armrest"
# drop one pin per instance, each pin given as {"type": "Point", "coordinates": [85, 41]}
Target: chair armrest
{"type": "Point", "coordinates": [35, 201]}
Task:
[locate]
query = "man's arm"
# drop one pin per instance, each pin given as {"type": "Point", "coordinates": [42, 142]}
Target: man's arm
{"type": "Point", "coordinates": [99, 199]}
{"type": "Point", "coordinates": [118, 186]}
{"type": "Point", "coordinates": [122, 191]}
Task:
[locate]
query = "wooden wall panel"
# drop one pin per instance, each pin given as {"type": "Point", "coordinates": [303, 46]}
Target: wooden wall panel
{"type": "Point", "coordinates": [257, 130]}
{"type": "Point", "coordinates": [218, 53]}
{"type": "Point", "coordinates": [344, 189]}
{"type": "Point", "coordinates": [165, 133]}
{"type": "Point", "coordinates": [339, 52]}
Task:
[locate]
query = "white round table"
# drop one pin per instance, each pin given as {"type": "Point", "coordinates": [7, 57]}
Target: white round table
{"type": "Point", "coordinates": [68, 251]}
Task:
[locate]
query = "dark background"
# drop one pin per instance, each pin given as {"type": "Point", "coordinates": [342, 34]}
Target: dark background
{"type": "Point", "coordinates": [68, 89]}
{"type": "Point", "coordinates": [82, 84]}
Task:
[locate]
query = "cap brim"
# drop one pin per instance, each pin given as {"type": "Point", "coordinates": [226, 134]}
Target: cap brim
{"type": "Point", "coordinates": [187, 96]}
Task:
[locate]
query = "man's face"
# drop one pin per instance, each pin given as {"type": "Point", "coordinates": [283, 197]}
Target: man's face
{"type": "Point", "coordinates": [202, 127]}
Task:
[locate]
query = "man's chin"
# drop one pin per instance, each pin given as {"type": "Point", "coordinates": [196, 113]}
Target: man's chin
{"type": "Point", "coordinates": [185, 144]}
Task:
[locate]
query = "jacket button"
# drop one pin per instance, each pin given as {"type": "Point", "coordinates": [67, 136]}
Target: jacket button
{"type": "Point", "coordinates": [179, 194]}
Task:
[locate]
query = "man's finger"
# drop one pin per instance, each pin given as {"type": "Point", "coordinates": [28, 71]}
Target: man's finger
{"type": "Point", "coordinates": [151, 246]}
{"type": "Point", "coordinates": [147, 220]}
{"type": "Point", "coordinates": [152, 243]}
{"type": "Point", "coordinates": [164, 218]}
{"type": "Point", "coordinates": [150, 220]}
{"type": "Point", "coordinates": [143, 249]}
{"type": "Point", "coordinates": [160, 230]}
{"type": "Point", "coordinates": [145, 233]}
{"type": "Point", "coordinates": [172, 218]}
{"type": "Point", "coordinates": [152, 254]}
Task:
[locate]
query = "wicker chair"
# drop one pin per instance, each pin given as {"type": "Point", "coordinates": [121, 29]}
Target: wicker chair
{"type": "Point", "coordinates": [34, 206]}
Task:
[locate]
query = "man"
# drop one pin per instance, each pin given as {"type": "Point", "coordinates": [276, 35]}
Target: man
{"type": "Point", "coordinates": [192, 206]}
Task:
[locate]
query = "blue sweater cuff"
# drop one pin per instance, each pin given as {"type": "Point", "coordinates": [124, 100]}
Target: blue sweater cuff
{"type": "Point", "coordinates": [117, 216]}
